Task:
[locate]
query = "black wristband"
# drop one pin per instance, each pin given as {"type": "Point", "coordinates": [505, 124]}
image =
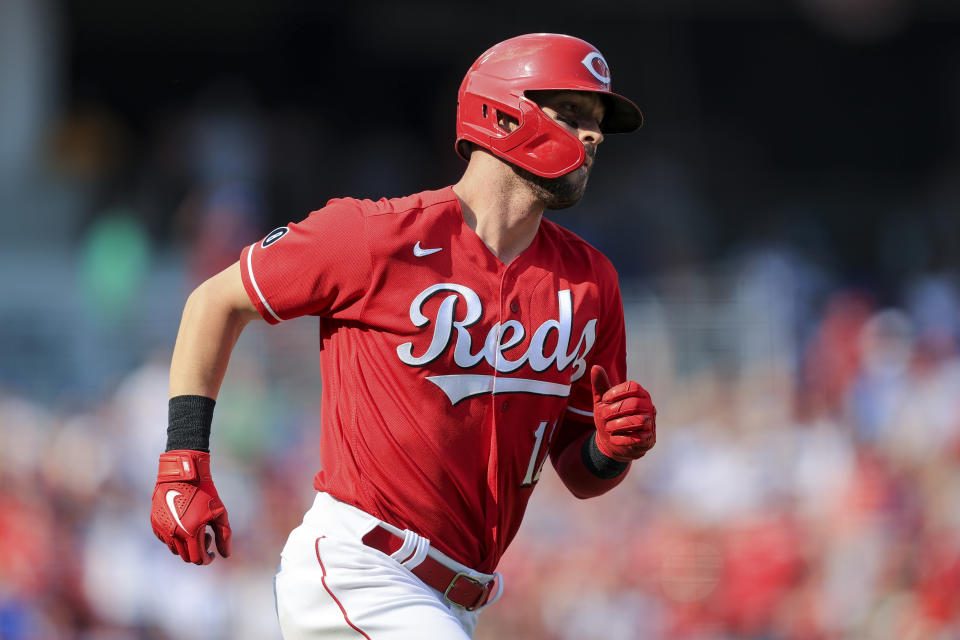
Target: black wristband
{"type": "Point", "coordinates": [188, 422]}
{"type": "Point", "coordinates": [599, 464]}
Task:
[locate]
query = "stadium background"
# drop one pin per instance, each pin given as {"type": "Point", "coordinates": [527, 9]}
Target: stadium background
{"type": "Point", "coordinates": [786, 225]}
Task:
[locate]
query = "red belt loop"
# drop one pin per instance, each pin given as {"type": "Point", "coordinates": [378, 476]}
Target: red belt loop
{"type": "Point", "coordinates": [457, 587]}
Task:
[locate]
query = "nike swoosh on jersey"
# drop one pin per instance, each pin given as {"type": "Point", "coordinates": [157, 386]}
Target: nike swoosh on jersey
{"type": "Point", "coordinates": [170, 496]}
{"type": "Point", "coordinates": [420, 252]}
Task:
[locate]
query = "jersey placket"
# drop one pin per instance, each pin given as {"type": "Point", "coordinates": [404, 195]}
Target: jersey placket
{"type": "Point", "coordinates": [508, 287]}
{"type": "Point", "coordinates": [507, 284]}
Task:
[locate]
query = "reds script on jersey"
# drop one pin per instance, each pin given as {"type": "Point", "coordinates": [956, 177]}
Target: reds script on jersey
{"type": "Point", "coordinates": [446, 375]}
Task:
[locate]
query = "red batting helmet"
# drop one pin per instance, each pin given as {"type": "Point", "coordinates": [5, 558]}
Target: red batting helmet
{"type": "Point", "coordinates": [498, 82]}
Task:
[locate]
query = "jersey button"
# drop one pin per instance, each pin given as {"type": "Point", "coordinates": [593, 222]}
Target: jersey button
{"type": "Point", "coordinates": [505, 405]}
{"type": "Point", "coordinates": [514, 307]}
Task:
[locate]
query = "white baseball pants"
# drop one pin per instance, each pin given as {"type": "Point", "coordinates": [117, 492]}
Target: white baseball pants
{"type": "Point", "coordinates": [331, 585]}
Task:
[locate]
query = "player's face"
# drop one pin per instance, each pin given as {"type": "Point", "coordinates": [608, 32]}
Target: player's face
{"type": "Point", "coordinates": [580, 113]}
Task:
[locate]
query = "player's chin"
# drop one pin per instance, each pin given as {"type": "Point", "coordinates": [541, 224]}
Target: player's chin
{"type": "Point", "coordinates": [556, 193]}
{"type": "Point", "coordinates": [567, 191]}
{"type": "Point", "coordinates": [562, 192]}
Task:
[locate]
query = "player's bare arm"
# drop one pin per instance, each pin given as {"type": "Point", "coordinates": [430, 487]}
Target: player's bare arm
{"type": "Point", "coordinates": [213, 318]}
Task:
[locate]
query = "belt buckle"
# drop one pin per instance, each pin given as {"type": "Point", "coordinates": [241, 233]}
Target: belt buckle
{"type": "Point", "coordinates": [483, 591]}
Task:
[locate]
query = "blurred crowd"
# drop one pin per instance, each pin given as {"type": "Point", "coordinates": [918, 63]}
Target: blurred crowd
{"type": "Point", "coordinates": [804, 486]}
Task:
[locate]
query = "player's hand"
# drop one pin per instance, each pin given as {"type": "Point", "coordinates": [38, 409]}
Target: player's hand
{"type": "Point", "coordinates": [184, 503]}
{"type": "Point", "coordinates": [625, 417]}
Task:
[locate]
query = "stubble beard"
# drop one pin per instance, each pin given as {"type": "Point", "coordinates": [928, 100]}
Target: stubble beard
{"type": "Point", "coordinates": [562, 192]}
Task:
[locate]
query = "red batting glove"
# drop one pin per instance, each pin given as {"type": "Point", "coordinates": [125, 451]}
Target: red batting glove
{"type": "Point", "coordinates": [625, 417]}
{"type": "Point", "coordinates": [184, 503]}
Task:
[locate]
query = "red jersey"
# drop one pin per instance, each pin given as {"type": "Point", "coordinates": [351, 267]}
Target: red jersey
{"type": "Point", "coordinates": [446, 374]}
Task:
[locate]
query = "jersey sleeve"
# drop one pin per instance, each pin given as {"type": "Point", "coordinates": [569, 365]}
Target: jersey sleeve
{"type": "Point", "coordinates": [610, 350]}
{"type": "Point", "coordinates": [318, 266]}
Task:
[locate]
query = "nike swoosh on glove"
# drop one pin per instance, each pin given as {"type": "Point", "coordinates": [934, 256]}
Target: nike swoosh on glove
{"type": "Point", "coordinates": [184, 503]}
{"type": "Point", "coordinates": [624, 415]}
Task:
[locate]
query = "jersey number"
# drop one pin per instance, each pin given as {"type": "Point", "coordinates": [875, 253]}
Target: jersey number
{"type": "Point", "coordinates": [535, 466]}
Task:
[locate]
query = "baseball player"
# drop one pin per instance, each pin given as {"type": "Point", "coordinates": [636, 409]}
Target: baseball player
{"type": "Point", "coordinates": [464, 339]}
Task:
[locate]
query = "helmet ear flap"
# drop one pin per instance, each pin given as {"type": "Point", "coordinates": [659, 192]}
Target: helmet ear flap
{"type": "Point", "coordinates": [538, 144]}
{"type": "Point", "coordinates": [477, 121]}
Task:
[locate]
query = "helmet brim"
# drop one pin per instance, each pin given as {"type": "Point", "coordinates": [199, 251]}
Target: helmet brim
{"type": "Point", "coordinates": [622, 115]}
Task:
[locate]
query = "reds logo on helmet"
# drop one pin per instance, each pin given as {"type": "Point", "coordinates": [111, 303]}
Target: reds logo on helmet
{"type": "Point", "coordinates": [597, 67]}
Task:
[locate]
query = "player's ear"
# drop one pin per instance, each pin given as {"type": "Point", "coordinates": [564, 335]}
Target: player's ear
{"type": "Point", "coordinates": [507, 122]}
